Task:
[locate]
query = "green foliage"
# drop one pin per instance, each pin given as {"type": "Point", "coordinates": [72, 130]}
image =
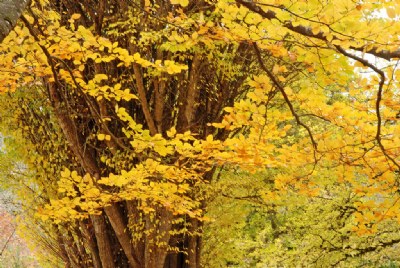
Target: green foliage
{"type": "Point", "coordinates": [250, 230]}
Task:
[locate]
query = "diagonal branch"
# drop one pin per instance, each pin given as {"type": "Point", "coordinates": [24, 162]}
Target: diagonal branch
{"type": "Point", "coordinates": [143, 100]}
{"type": "Point", "coordinates": [8, 241]}
{"type": "Point", "coordinates": [285, 96]}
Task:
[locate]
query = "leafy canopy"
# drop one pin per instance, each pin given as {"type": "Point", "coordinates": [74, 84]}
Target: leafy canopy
{"type": "Point", "coordinates": [153, 96]}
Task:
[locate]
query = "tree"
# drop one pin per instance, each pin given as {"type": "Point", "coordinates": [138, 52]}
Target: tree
{"type": "Point", "coordinates": [131, 106]}
{"type": "Point", "coordinates": [317, 231]}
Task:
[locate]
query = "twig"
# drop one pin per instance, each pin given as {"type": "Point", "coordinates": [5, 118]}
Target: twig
{"type": "Point", "coordinates": [8, 241]}
{"type": "Point", "coordinates": [285, 96]}
{"type": "Point", "coordinates": [378, 100]}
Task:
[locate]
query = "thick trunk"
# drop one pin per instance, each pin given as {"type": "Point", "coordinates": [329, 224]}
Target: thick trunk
{"type": "Point", "coordinates": [75, 143]}
{"type": "Point", "coordinates": [10, 11]}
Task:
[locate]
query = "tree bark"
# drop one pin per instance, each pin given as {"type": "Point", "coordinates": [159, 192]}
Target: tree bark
{"type": "Point", "coordinates": [10, 11]}
{"type": "Point", "coordinates": [69, 129]}
{"type": "Point", "coordinates": [91, 244]}
{"type": "Point", "coordinates": [115, 217]}
{"type": "Point", "coordinates": [103, 241]}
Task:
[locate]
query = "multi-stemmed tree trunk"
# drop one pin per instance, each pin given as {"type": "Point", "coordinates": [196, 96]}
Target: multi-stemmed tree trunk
{"type": "Point", "coordinates": [187, 101]}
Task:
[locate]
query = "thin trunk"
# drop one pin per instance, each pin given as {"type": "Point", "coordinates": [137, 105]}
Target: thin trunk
{"type": "Point", "coordinates": [142, 98]}
{"type": "Point", "coordinates": [71, 249]}
{"type": "Point", "coordinates": [103, 241]}
{"type": "Point", "coordinates": [70, 132]}
{"type": "Point", "coordinates": [159, 88]}
{"type": "Point", "coordinates": [134, 217]}
{"type": "Point", "coordinates": [192, 245]}
{"type": "Point", "coordinates": [63, 251]}
{"type": "Point", "coordinates": [189, 96]}
{"type": "Point", "coordinates": [164, 228]}
{"type": "Point", "coordinates": [91, 244]}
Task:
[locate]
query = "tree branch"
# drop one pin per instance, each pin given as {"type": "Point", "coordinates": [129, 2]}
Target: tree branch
{"type": "Point", "coordinates": [307, 31]}
{"type": "Point", "coordinates": [285, 96]}
{"type": "Point", "coordinates": [378, 100]}
{"type": "Point", "coordinates": [8, 241]}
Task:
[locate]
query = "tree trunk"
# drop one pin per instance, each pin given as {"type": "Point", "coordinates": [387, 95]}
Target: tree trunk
{"type": "Point", "coordinates": [103, 241]}
{"type": "Point", "coordinates": [91, 244]}
{"type": "Point", "coordinates": [120, 228]}
{"type": "Point", "coordinates": [153, 250]}
{"type": "Point", "coordinates": [10, 11]}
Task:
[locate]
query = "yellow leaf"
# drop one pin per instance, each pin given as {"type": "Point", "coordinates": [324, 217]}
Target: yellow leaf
{"type": "Point", "coordinates": [75, 16]}
{"type": "Point", "coordinates": [93, 192]}
{"type": "Point", "coordinates": [391, 12]}
{"type": "Point", "coordinates": [171, 133]}
{"type": "Point", "coordinates": [183, 3]}
{"type": "Point", "coordinates": [99, 77]}
{"type": "Point", "coordinates": [66, 173]}
{"type": "Point", "coordinates": [329, 37]}
{"type": "Point", "coordinates": [28, 79]}
{"type": "Point", "coordinates": [315, 30]}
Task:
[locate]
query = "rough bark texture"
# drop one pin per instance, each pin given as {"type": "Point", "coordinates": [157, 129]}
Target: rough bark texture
{"type": "Point", "coordinates": [10, 11]}
{"type": "Point", "coordinates": [103, 242]}
{"type": "Point", "coordinates": [116, 220]}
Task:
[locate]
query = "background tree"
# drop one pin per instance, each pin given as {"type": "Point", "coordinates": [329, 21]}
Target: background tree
{"type": "Point", "coordinates": [251, 231]}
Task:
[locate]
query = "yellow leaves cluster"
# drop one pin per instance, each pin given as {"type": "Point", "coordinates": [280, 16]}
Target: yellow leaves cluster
{"type": "Point", "coordinates": [150, 181]}
{"type": "Point", "coordinates": [322, 95]}
{"type": "Point", "coordinates": [78, 198]}
{"type": "Point", "coordinates": [97, 88]}
{"type": "Point", "coordinates": [78, 45]}
{"type": "Point", "coordinates": [102, 137]}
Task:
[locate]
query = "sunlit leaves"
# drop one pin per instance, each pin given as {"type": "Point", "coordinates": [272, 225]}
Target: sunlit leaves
{"type": "Point", "coordinates": [183, 3]}
{"type": "Point", "coordinates": [162, 98]}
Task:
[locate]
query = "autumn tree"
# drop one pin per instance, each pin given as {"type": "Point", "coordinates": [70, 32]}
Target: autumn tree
{"type": "Point", "coordinates": [249, 230]}
{"type": "Point", "coordinates": [129, 108]}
